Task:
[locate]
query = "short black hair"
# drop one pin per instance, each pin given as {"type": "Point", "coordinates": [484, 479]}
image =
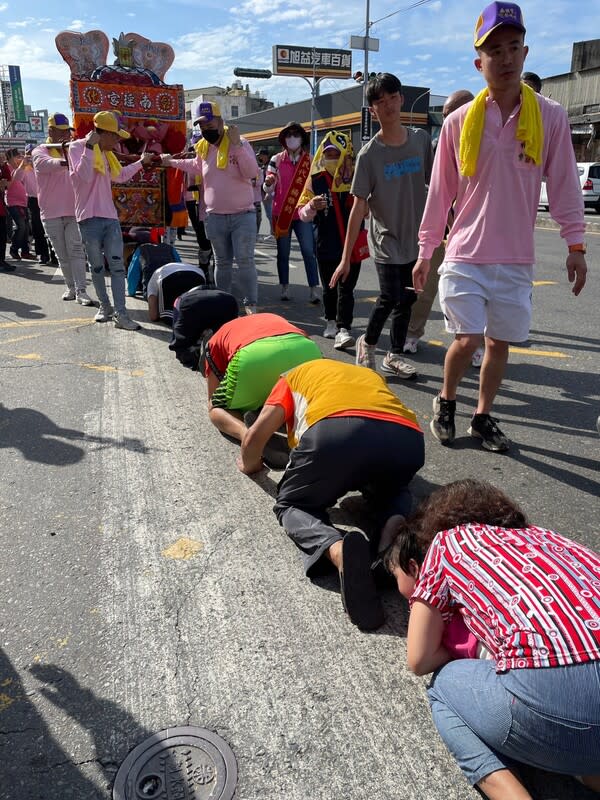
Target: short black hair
{"type": "Point", "coordinates": [382, 82]}
{"type": "Point", "coordinates": [533, 80]}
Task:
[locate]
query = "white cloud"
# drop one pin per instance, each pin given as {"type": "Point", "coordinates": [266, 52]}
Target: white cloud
{"type": "Point", "coordinates": [76, 25]}
{"type": "Point", "coordinates": [3, 6]}
{"type": "Point", "coordinates": [423, 56]}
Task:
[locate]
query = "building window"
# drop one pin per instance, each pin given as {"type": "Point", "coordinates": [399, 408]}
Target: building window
{"type": "Point", "coordinates": [235, 111]}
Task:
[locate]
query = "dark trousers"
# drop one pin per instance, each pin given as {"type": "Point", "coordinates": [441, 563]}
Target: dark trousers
{"type": "Point", "coordinates": [197, 225]}
{"type": "Point", "coordinates": [338, 455]}
{"type": "Point", "coordinates": [395, 301]}
{"type": "Point", "coordinates": [258, 207]}
{"type": "Point", "coordinates": [37, 229]}
{"type": "Point", "coordinates": [3, 237]}
{"type": "Point", "coordinates": [339, 301]}
{"type": "Point", "coordinates": [20, 236]}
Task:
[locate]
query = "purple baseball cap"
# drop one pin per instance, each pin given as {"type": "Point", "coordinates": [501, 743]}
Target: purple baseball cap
{"type": "Point", "coordinates": [206, 112]}
{"type": "Point", "coordinates": [494, 16]}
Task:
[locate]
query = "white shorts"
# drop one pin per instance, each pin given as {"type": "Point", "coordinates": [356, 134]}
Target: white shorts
{"type": "Point", "coordinates": [489, 299]}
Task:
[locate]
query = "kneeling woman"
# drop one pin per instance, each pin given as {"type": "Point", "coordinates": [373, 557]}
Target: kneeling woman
{"type": "Point", "coordinates": [532, 598]}
{"type": "Point", "coordinates": [244, 360]}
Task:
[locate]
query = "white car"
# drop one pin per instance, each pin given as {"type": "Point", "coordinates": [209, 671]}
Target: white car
{"type": "Point", "coordinates": [589, 177]}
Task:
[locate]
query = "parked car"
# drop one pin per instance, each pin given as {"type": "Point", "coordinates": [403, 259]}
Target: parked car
{"type": "Point", "coordinates": [589, 177]}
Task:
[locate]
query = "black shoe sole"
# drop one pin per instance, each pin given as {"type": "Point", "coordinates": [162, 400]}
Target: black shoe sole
{"type": "Point", "coordinates": [359, 593]}
{"type": "Point", "coordinates": [486, 445]}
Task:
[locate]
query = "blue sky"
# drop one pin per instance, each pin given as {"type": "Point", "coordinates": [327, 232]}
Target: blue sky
{"type": "Point", "coordinates": [426, 46]}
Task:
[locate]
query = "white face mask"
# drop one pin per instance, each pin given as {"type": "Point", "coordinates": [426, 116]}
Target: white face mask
{"type": "Point", "coordinates": [293, 142]}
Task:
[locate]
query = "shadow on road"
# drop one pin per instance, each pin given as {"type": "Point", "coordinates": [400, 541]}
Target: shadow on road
{"type": "Point", "coordinates": [19, 309]}
{"type": "Point", "coordinates": [33, 764]}
{"type": "Point", "coordinates": [39, 438]}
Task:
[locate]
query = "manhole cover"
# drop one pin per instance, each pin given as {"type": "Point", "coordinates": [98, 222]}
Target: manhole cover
{"type": "Point", "coordinates": [178, 764]}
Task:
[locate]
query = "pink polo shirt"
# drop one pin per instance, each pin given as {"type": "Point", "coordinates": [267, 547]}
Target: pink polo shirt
{"type": "Point", "coordinates": [226, 191]}
{"type": "Point", "coordinates": [30, 183]}
{"type": "Point", "coordinates": [495, 209]}
{"type": "Point", "coordinates": [55, 190]}
{"type": "Point", "coordinates": [16, 194]}
{"type": "Point", "coordinates": [93, 193]}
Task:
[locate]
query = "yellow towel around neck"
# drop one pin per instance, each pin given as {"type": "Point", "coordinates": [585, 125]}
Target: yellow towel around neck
{"type": "Point", "coordinates": [530, 130]}
{"type": "Point", "coordinates": [223, 154]}
{"type": "Point", "coordinates": [113, 162]}
{"type": "Point", "coordinates": [54, 152]}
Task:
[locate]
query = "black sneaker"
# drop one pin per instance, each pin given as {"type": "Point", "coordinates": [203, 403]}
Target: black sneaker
{"type": "Point", "coordinates": [486, 428]}
{"type": "Point", "coordinates": [442, 425]}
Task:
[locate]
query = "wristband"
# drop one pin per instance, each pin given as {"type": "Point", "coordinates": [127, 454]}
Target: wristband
{"type": "Point", "coordinates": [577, 248]}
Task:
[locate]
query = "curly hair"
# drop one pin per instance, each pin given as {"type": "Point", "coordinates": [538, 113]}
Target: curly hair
{"type": "Point", "coordinates": [458, 503]}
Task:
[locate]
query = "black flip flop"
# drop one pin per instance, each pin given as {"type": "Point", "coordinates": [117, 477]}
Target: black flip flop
{"type": "Point", "coordinates": [359, 595]}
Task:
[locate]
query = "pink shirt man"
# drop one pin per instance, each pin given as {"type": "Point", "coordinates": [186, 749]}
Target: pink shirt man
{"type": "Point", "coordinates": [93, 195]}
{"type": "Point", "coordinates": [495, 225]}
{"type": "Point", "coordinates": [229, 190]}
{"type": "Point", "coordinates": [55, 190]}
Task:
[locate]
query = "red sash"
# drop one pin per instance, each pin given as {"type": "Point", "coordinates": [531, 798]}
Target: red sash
{"type": "Point", "coordinates": [284, 220]}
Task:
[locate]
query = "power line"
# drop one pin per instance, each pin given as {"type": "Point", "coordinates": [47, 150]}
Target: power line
{"type": "Point", "coordinates": [400, 10]}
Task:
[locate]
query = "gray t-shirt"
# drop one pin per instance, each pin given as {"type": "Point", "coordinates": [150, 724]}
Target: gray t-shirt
{"type": "Point", "coordinates": [393, 181]}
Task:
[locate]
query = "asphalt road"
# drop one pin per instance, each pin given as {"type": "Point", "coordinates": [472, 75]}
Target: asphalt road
{"type": "Point", "coordinates": [109, 634]}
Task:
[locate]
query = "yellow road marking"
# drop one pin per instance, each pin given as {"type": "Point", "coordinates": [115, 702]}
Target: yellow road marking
{"type": "Point", "coordinates": [31, 357]}
{"type": "Point", "coordinates": [99, 367]}
{"type": "Point", "coordinates": [545, 283]}
{"type": "Point", "coordinates": [527, 351]}
{"type": "Point", "coordinates": [4, 342]}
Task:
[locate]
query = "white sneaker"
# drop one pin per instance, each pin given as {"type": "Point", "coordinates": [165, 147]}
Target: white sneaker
{"type": "Point", "coordinates": [365, 353]}
{"type": "Point", "coordinates": [250, 309]}
{"type": "Point", "coordinates": [477, 357]}
{"type": "Point", "coordinates": [104, 313]}
{"type": "Point", "coordinates": [69, 294]}
{"type": "Point", "coordinates": [126, 323]}
{"type": "Point", "coordinates": [343, 339]}
{"type": "Point", "coordinates": [410, 345]}
{"type": "Point", "coordinates": [394, 365]}
{"type": "Point", "coordinates": [84, 299]}
{"type": "Point", "coordinates": [331, 329]}
{"type": "Point", "coordinates": [314, 297]}
{"type": "Point", "coordinates": [285, 291]}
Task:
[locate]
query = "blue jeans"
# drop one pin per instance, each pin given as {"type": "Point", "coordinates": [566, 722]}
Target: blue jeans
{"type": "Point", "coordinates": [548, 718]}
{"type": "Point", "coordinates": [234, 236]}
{"type": "Point", "coordinates": [305, 234]}
{"type": "Point", "coordinates": [102, 239]}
